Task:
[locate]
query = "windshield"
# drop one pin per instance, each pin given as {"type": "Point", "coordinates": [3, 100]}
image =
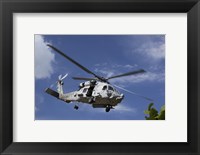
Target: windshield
{"type": "Point", "coordinates": [110, 88]}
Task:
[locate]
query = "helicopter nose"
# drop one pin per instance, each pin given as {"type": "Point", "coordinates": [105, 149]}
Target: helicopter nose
{"type": "Point", "coordinates": [120, 97]}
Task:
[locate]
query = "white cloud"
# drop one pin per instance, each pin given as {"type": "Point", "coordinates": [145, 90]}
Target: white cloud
{"type": "Point", "coordinates": [148, 76]}
{"type": "Point", "coordinates": [43, 58]}
{"type": "Point", "coordinates": [155, 50]}
{"type": "Point", "coordinates": [123, 108]}
{"type": "Point", "coordinates": [106, 72]}
{"type": "Point", "coordinates": [151, 47]}
{"type": "Point", "coordinates": [39, 100]}
{"type": "Point", "coordinates": [109, 70]}
{"type": "Point", "coordinates": [157, 75]}
{"type": "Point", "coordinates": [130, 66]}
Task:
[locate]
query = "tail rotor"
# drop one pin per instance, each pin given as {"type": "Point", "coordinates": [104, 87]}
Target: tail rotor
{"type": "Point", "coordinates": [60, 83]}
{"type": "Point", "coordinates": [60, 80]}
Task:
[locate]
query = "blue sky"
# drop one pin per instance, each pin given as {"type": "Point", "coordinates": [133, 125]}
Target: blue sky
{"type": "Point", "coordinates": [106, 55]}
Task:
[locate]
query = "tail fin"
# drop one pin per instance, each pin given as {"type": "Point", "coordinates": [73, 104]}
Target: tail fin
{"type": "Point", "coordinates": [60, 87]}
{"type": "Point", "coordinates": [60, 83]}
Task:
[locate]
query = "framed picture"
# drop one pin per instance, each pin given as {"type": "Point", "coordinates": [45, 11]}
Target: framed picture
{"type": "Point", "coordinates": [99, 77]}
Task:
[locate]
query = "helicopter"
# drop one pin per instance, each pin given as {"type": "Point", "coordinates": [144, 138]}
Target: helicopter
{"type": "Point", "coordinates": [96, 91]}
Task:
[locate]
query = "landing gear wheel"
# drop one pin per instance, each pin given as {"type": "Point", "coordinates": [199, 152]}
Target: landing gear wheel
{"type": "Point", "coordinates": [108, 108]}
{"type": "Point", "coordinates": [76, 107]}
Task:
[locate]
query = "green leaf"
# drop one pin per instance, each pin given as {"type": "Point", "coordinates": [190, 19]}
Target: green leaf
{"type": "Point", "coordinates": [146, 112]}
{"type": "Point", "coordinates": [150, 105]}
{"type": "Point", "coordinates": [153, 113]}
{"type": "Point", "coordinates": [161, 116]}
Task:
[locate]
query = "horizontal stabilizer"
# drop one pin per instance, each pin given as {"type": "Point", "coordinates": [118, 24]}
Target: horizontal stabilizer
{"type": "Point", "coordinates": [52, 92]}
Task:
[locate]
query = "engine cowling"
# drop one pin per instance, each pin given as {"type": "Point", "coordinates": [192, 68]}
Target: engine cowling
{"type": "Point", "coordinates": [88, 83]}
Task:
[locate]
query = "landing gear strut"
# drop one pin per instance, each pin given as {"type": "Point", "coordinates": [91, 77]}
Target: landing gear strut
{"type": "Point", "coordinates": [108, 107]}
{"type": "Point", "coordinates": [76, 107]}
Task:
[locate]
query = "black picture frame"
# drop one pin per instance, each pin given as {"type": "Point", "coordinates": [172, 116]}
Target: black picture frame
{"type": "Point", "coordinates": [8, 7]}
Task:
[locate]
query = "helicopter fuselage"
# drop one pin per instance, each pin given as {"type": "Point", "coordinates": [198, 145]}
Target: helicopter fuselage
{"type": "Point", "coordinates": [101, 95]}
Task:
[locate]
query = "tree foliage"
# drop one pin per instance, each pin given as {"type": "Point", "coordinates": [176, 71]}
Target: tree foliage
{"type": "Point", "coordinates": [153, 113]}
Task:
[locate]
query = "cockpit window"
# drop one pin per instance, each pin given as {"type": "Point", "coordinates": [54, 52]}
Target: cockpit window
{"type": "Point", "coordinates": [110, 88]}
{"type": "Point", "coordinates": [84, 90]}
{"type": "Point", "coordinates": [104, 88]}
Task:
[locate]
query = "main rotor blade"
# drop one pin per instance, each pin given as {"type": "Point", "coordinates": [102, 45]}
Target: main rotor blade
{"type": "Point", "coordinates": [133, 93]}
{"type": "Point", "coordinates": [73, 61]}
{"type": "Point", "coordinates": [83, 78]}
{"type": "Point", "coordinates": [127, 74]}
